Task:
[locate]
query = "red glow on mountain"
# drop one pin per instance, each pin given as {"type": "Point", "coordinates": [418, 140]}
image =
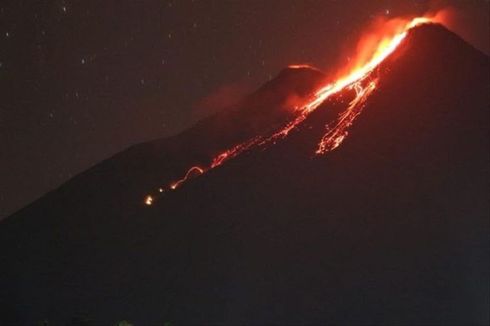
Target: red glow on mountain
{"type": "Point", "coordinates": [379, 41]}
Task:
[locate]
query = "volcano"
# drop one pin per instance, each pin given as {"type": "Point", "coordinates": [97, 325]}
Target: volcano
{"type": "Point", "coordinates": [389, 226]}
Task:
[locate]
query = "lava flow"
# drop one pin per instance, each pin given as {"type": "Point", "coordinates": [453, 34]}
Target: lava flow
{"type": "Point", "coordinates": [373, 50]}
{"type": "Point", "coordinates": [334, 137]}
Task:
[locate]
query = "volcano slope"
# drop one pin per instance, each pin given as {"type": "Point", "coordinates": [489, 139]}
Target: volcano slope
{"type": "Point", "coordinates": [389, 228]}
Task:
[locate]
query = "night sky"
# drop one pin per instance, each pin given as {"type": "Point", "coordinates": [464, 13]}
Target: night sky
{"type": "Point", "coordinates": [83, 80]}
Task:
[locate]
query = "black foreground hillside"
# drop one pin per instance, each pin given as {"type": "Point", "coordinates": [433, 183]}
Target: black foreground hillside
{"type": "Point", "coordinates": [390, 228]}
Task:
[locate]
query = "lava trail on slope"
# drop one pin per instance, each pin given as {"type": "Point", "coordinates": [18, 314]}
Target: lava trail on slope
{"type": "Point", "coordinates": [359, 78]}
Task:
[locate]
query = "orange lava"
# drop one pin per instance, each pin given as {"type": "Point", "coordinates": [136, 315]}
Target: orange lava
{"type": "Point", "coordinates": [193, 171]}
{"type": "Point", "coordinates": [336, 134]}
{"type": "Point", "coordinates": [148, 200]}
{"type": "Point", "coordinates": [373, 49]}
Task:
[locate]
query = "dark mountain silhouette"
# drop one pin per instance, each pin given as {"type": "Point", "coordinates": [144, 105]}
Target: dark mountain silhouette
{"type": "Point", "coordinates": [390, 228]}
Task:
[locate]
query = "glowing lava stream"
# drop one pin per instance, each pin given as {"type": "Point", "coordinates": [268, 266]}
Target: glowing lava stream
{"type": "Point", "coordinates": [335, 135]}
{"type": "Point", "coordinates": [357, 79]}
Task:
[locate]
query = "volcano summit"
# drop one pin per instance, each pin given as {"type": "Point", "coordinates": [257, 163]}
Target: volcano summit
{"type": "Point", "coordinates": [389, 226]}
